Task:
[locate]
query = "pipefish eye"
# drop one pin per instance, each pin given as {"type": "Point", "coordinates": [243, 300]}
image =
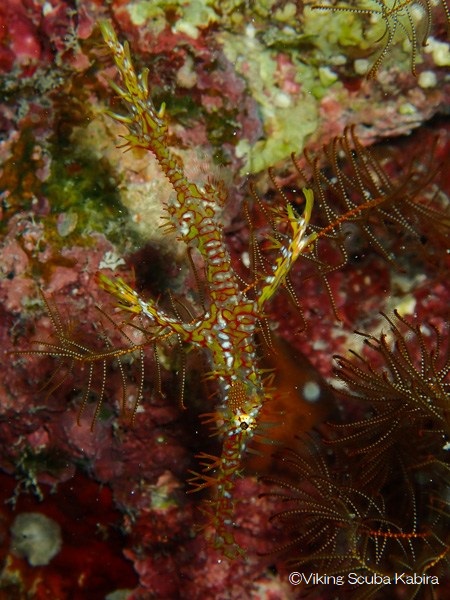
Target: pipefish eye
{"type": "Point", "coordinates": [244, 426]}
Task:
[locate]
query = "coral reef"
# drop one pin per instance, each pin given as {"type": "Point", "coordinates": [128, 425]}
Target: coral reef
{"type": "Point", "coordinates": [244, 85]}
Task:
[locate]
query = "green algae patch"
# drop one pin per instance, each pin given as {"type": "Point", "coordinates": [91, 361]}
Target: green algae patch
{"type": "Point", "coordinates": [286, 93]}
{"type": "Point", "coordinates": [187, 17]}
{"type": "Point", "coordinates": [292, 126]}
{"type": "Point", "coordinates": [84, 197]}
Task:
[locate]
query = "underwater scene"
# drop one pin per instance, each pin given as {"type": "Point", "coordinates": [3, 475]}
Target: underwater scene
{"type": "Point", "coordinates": [224, 299]}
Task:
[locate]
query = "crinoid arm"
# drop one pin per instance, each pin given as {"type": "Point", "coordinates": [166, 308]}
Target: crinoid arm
{"type": "Point", "coordinates": [370, 496]}
{"type": "Point", "coordinates": [407, 397]}
{"type": "Point", "coordinates": [73, 347]}
{"type": "Point", "coordinates": [360, 210]}
{"type": "Point", "coordinates": [354, 191]}
{"type": "Point", "coordinates": [396, 21]}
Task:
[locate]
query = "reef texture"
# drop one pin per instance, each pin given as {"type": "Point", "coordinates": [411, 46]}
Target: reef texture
{"type": "Point", "coordinates": [245, 84]}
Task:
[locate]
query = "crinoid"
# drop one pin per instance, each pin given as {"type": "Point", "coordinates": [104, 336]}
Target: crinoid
{"type": "Point", "coordinates": [395, 22]}
{"type": "Point", "coordinates": [406, 397]}
{"type": "Point", "coordinates": [348, 177]}
{"type": "Point", "coordinates": [333, 525]}
{"type": "Point", "coordinates": [370, 497]}
{"type": "Point", "coordinates": [108, 345]}
{"type": "Point", "coordinates": [366, 203]}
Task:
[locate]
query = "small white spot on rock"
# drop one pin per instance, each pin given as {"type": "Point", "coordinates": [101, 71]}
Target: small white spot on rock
{"type": "Point", "coordinates": [311, 391]}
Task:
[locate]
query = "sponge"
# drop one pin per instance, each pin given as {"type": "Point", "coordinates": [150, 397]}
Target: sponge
{"type": "Point", "coordinates": [35, 537]}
